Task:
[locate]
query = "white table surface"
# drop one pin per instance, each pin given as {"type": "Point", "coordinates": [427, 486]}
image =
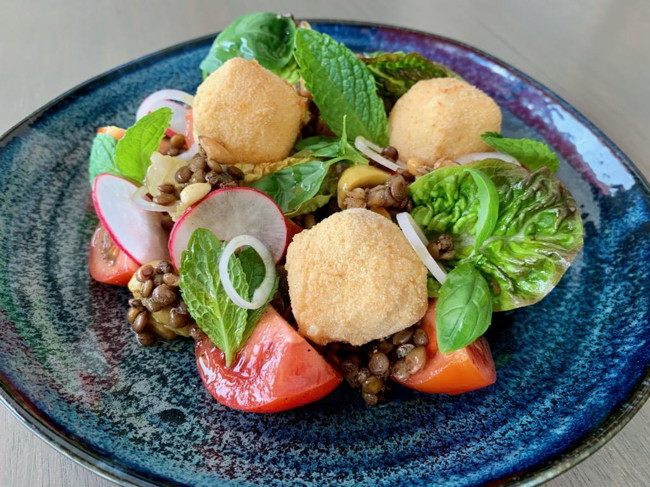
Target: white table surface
{"type": "Point", "coordinates": [593, 53]}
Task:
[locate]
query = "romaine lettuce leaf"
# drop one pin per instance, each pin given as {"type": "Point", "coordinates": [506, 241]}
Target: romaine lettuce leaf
{"type": "Point", "coordinates": [537, 235]}
{"type": "Point", "coordinates": [396, 72]}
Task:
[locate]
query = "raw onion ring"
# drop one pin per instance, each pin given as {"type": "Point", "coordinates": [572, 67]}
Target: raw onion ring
{"type": "Point", "coordinates": [372, 151]}
{"type": "Point", "coordinates": [262, 293]}
{"type": "Point", "coordinates": [415, 236]}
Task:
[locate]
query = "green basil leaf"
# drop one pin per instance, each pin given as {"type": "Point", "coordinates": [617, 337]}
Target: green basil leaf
{"type": "Point", "coordinates": [532, 154]}
{"type": "Point", "coordinates": [325, 193]}
{"type": "Point", "coordinates": [294, 185]}
{"type": "Point", "coordinates": [214, 312]}
{"type": "Point", "coordinates": [488, 207]}
{"type": "Point", "coordinates": [396, 72]}
{"type": "Point", "coordinates": [102, 156]}
{"type": "Point", "coordinates": [331, 148]}
{"type": "Point", "coordinates": [464, 309]}
{"type": "Point", "coordinates": [537, 234]}
{"type": "Point", "coordinates": [341, 85]}
{"type": "Point", "coordinates": [264, 36]}
{"type": "Point", "coordinates": [133, 151]}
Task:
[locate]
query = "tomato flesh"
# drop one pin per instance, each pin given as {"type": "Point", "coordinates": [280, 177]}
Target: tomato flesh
{"type": "Point", "coordinates": [115, 132]}
{"type": "Point", "coordinates": [293, 229]}
{"type": "Point", "coordinates": [276, 370]}
{"type": "Point", "coordinates": [464, 370]}
{"type": "Point", "coordinates": [106, 262]}
{"type": "Point", "coordinates": [189, 128]}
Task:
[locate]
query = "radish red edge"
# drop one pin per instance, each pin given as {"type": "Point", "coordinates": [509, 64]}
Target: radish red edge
{"type": "Point", "coordinates": [105, 222]}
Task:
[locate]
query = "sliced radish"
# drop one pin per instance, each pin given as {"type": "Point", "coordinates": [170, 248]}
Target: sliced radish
{"type": "Point", "coordinates": [137, 232]}
{"type": "Point", "coordinates": [480, 156]}
{"type": "Point", "coordinates": [418, 241]}
{"type": "Point", "coordinates": [228, 213]}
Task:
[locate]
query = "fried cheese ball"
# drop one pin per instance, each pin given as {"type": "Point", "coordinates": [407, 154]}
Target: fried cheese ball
{"type": "Point", "coordinates": [354, 278]}
{"type": "Point", "coordinates": [255, 115]}
{"type": "Point", "coordinates": [442, 118]}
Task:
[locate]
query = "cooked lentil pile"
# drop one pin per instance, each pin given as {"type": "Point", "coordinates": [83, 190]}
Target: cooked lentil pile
{"type": "Point", "coordinates": [200, 169]}
{"type": "Point", "coordinates": [370, 367]}
{"type": "Point", "coordinates": [157, 308]}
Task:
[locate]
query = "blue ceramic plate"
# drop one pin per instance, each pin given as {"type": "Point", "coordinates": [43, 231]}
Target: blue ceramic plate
{"type": "Point", "coordinates": [571, 369]}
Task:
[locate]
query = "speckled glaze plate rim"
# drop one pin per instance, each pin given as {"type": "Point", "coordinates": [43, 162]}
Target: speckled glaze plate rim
{"type": "Point", "coordinates": [31, 417]}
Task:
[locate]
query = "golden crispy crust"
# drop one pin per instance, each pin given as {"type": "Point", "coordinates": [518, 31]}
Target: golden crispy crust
{"type": "Point", "coordinates": [442, 118]}
{"type": "Point", "coordinates": [354, 278]}
{"type": "Point", "coordinates": [251, 112]}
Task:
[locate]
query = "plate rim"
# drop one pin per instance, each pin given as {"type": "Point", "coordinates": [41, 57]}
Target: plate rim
{"type": "Point", "coordinates": [577, 452]}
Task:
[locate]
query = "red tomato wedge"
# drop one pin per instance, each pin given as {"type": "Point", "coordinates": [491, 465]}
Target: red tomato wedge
{"type": "Point", "coordinates": [276, 370]}
{"type": "Point", "coordinates": [106, 262]}
{"type": "Point", "coordinates": [464, 370]}
{"type": "Point", "coordinates": [189, 128]}
{"type": "Point", "coordinates": [293, 229]}
{"type": "Point", "coordinates": [112, 130]}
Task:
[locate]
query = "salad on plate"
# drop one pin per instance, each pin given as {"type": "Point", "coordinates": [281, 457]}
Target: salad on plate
{"type": "Point", "coordinates": [313, 215]}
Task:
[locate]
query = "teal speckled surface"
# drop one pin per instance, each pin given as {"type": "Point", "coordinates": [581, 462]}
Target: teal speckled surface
{"type": "Point", "coordinates": [70, 366]}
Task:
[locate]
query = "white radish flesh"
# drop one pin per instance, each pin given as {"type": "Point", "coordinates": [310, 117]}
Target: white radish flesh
{"type": "Point", "coordinates": [231, 212]}
{"type": "Point", "coordinates": [262, 293]}
{"type": "Point", "coordinates": [137, 232]}
{"type": "Point", "coordinates": [415, 236]}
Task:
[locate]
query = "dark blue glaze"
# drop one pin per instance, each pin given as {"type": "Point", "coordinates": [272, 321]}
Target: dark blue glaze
{"type": "Point", "coordinates": [570, 369]}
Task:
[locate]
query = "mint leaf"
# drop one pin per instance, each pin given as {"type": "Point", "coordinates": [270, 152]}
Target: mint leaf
{"type": "Point", "coordinates": [532, 154]}
{"type": "Point", "coordinates": [222, 320]}
{"type": "Point", "coordinates": [464, 309]}
{"type": "Point", "coordinates": [227, 325]}
{"type": "Point", "coordinates": [253, 268]}
{"type": "Point", "coordinates": [255, 272]}
{"type": "Point", "coordinates": [102, 156]}
{"type": "Point", "coordinates": [341, 85]}
{"type": "Point", "coordinates": [133, 153]}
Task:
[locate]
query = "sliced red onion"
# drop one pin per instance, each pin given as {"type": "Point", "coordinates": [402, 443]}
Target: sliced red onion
{"type": "Point", "coordinates": [416, 238]}
{"type": "Point", "coordinates": [138, 197]}
{"type": "Point", "coordinates": [262, 293]}
{"type": "Point", "coordinates": [372, 151]}
{"type": "Point", "coordinates": [480, 156]}
{"type": "Point", "coordinates": [177, 123]}
{"type": "Point", "coordinates": [178, 101]}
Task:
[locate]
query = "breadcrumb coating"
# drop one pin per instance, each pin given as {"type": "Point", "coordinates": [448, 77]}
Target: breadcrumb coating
{"type": "Point", "coordinates": [254, 114]}
{"type": "Point", "coordinates": [442, 118]}
{"type": "Point", "coordinates": [354, 278]}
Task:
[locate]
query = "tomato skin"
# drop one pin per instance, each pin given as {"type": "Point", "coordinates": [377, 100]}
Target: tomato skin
{"type": "Point", "coordinates": [464, 370]}
{"type": "Point", "coordinates": [293, 229]}
{"type": "Point", "coordinates": [276, 370]}
{"type": "Point", "coordinates": [117, 271]}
